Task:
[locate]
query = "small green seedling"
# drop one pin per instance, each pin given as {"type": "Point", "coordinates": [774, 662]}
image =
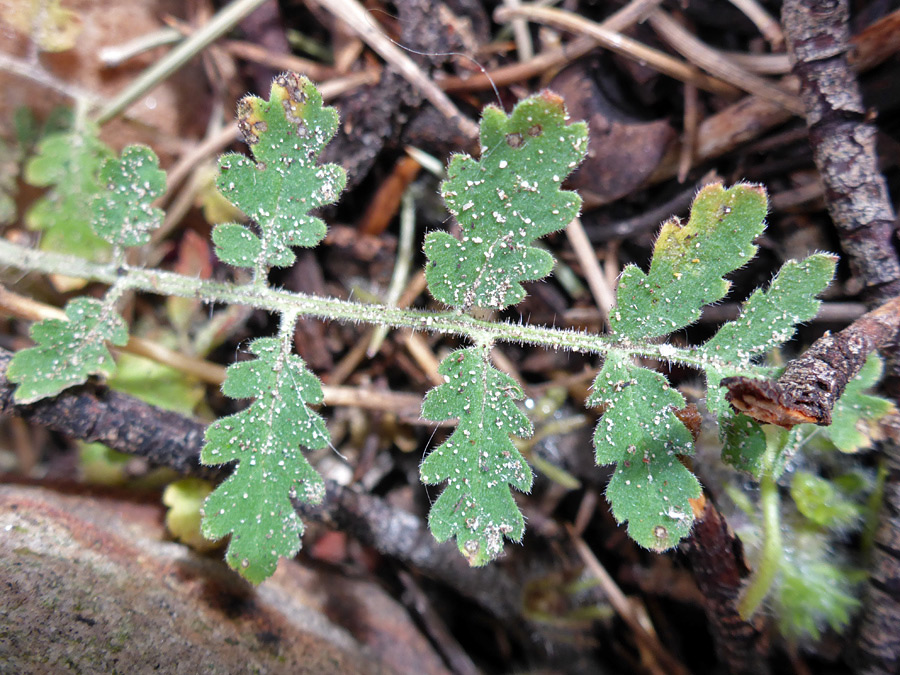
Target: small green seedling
{"type": "Point", "coordinates": [503, 202]}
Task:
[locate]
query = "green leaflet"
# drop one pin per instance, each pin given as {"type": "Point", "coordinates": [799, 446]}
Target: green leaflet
{"type": "Point", "coordinates": [67, 352]}
{"type": "Point", "coordinates": [689, 263]}
{"type": "Point", "coordinates": [824, 502]}
{"type": "Point", "coordinates": [478, 461]}
{"type": "Point", "coordinates": [254, 504]}
{"type": "Point", "coordinates": [768, 319]}
{"type": "Point", "coordinates": [285, 182]}
{"type": "Point", "coordinates": [639, 430]}
{"type": "Point", "coordinates": [503, 202]}
{"type": "Point", "coordinates": [123, 214]}
{"type": "Point", "coordinates": [743, 442]}
{"type": "Point", "coordinates": [69, 164]}
{"type": "Point", "coordinates": [815, 591]}
{"type": "Point", "coordinates": [185, 498]}
{"type": "Point", "coordinates": [640, 433]}
{"type": "Point", "coordinates": [854, 420]}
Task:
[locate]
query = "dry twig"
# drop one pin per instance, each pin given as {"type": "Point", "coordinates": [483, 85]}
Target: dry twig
{"type": "Point", "coordinates": [716, 63]}
{"type": "Point", "coordinates": [352, 13]}
{"type": "Point", "coordinates": [632, 13]}
{"type": "Point", "coordinates": [811, 384]}
{"type": "Point", "coordinates": [843, 143]}
{"type": "Point", "coordinates": [619, 44]}
{"type": "Point", "coordinates": [752, 116]}
{"type": "Point", "coordinates": [716, 558]}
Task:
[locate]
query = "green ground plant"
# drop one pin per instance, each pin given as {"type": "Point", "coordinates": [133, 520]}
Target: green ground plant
{"type": "Point", "coordinates": [503, 202]}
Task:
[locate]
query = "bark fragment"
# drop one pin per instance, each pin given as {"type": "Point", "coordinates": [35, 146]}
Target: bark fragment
{"type": "Point", "coordinates": [811, 384]}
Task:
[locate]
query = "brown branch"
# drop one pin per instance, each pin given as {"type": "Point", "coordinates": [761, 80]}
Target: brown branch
{"type": "Point", "coordinates": [811, 384]}
{"type": "Point", "coordinates": [878, 638]}
{"type": "Point", "coordinates": [122, 422]}
{"type": "Point", "coordinates": [843, 142]}
{"type": "Point", "coordinates": [844, 150]}
{"type": "Point", "coordinates": [716, 559]}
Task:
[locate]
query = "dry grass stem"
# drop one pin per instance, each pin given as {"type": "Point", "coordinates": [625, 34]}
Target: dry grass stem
{"type": "Point", "coordinates": [604, 295]}
{"type": "Point", "coordinates": [716, 63]}
{"type": "Point", "coordinates": [619, 44]}
{"type": "Point", "coordinates": [765, 22]}
{"type": "Point", "coordinates": [355, 16]}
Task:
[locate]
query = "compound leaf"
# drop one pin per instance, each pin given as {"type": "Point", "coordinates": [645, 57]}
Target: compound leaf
{"type": "Point", "coordinates": [814, 587]}
{"type": "Point", "coordinates": [68, 351]}
{"type": "Point", "coordinates": [478, 460]}
{"type": "Point", "coordinates": [69, 164]}
{"type": "Point", "coordinates": [689, 263]}
{"type": "Point", "coordinates": [814, 593]}
{"type": "Point", "coordinates": [254, 504]}
{"type": "Point", "coordinates": [278, 189]}
{"type": "Point", "coordinates": [503, 202]}
{"type": "Point", "coordinates": [123, 214]}
{"type": "Point", "coordinates": [641, 434]}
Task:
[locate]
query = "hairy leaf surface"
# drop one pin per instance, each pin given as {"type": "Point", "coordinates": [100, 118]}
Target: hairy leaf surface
{"type": "Point", "coordinates": [69, 164]}
{"type": "Point", "coordinates": [123, 214]}
{"type": "Point", "coordinates": [689, 263]}
{"type": "Point", "coordinates": [254, 504]}
{"type": "Point", "coordinates": [640, 433]}
{"type": "Point", "coordinates": [285, 182]}
{"type": "Point", "coordinates": [478, 461]}
{"type": "Point", "coordinates": [67, 351]}
{"type": "Point", "coordinates": [768, 319]}
{"type": "Point", "coordinates": [503, 202]}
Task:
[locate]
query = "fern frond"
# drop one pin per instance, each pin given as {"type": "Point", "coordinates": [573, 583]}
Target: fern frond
{"type": "Point", "coordinates": [478, 461]}
{"type": "Point", "coordinates": [503, 202]}
{"type": "Point", "coordinates": [254, 504]}
{"type": "Point", "coordinates": [285, 182]}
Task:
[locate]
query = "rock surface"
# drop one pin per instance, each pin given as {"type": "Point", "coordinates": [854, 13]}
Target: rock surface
{"type": "Point", "coordinates": [90, 585]}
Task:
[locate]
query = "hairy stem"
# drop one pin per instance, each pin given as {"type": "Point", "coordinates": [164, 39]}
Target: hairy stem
{"type": "Point", "coordinates": [278, 301]}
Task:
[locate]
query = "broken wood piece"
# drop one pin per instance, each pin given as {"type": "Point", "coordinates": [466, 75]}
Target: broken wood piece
{"type": "Point", "coordinates": [811, 384]}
